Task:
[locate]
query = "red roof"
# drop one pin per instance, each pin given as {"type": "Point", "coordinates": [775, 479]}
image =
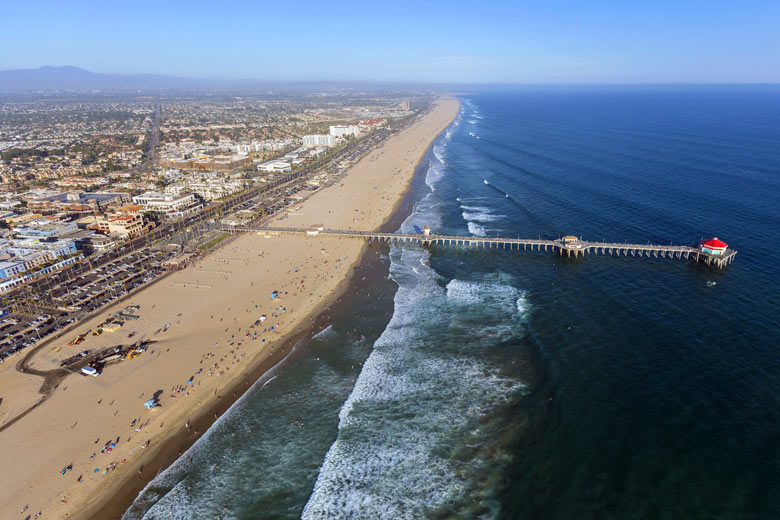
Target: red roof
{"type": "Point", "coordinates": [715, 243]}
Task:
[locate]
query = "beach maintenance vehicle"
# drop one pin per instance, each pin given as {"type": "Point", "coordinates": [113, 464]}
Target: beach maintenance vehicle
{"type": "Point", "coordinates": [89, 371]}
{"type": "Point", "coordinates": [77, 340]}
{"type": "Point", "coordinates": [115, 356]}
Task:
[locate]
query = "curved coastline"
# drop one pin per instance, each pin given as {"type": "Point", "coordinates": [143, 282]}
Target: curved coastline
{"type": "Point", "coordinates": [118, 494]}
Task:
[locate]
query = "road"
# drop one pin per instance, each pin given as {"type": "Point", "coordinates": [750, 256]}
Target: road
{"type": "Point", "coordinates": [74, 292]}
{"type": "Point", "coordinates": [150, 153]}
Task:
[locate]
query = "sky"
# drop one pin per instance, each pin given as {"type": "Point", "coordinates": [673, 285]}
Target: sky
{"type": "Point", "coordinates": [479, 41]}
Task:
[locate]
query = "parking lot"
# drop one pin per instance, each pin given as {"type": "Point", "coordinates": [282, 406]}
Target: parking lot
{"type": "Point", "coordinates": [21, 330]}
{"type": "Point", "coordinates": [50, 304]}
{"type": "Point", "coordinates": [107, 283]}
{"type": "Point", "coordinates": [73, 297]}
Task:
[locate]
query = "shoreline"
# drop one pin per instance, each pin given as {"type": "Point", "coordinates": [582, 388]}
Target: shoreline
{"type": "Point", "coordinates": [118, 497]}
{"type": "Point", "coordinates": [120, 493]}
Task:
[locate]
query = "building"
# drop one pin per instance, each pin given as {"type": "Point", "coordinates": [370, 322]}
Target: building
{"type": "Point", "coordinates": [77, 200]}
{"type": "Point", "coordinates": [179, 262]}
{"type": "Point", "coordinates": [25, 259]}
{"type": "Point", "coordinates": [342, 130]}
{"type": "Point", "coordinates": [18, 220]}
{"type": "Point", "coordinates": [44, 228]}
{"type": "Point", "coordinates": [209, 189]}
{"type": "Point", "coordinates": [370, 124]}
{"type": "Point", "coordinates": [176, 162]}
{"type": "Point", "coordinates": [99, 243]}
{"type": "Point", "coordinates": [713, 246]}
{"type": "Point", "coordinates": [275, 166]}
{"type": "Point", "coordinates": [10, 268]}
{"type": "Point", "coordinates": [221, 162]}
{"type": "Point", "coordinates": [168, 205]}
{"type": "Point", "coordinates": [127, 222]}
{"type": "Point", "coordinates": [10, 204]}
{"type": "Point", "coordinates": [319, 140]}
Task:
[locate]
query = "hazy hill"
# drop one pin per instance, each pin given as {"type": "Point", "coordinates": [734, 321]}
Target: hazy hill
{"type": "Point", "coordinates": [73, 78]}
{"type": "Point", "coordinates": [67, 77]}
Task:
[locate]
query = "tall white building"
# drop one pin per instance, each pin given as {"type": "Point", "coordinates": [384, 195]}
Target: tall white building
{"type": "Point", "coordinates": [319, 140]}
{"type": "Point", "coordinates": [342, 130]}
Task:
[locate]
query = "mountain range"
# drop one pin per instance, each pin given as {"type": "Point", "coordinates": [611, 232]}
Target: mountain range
{"type": "Point", "coordinates": [68, 77]}
{"type": "Point", "coordinates": [50, 78]}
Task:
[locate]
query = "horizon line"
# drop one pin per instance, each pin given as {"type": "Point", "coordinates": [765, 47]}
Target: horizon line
{"type": "Point", "coordinates": [507, 83]}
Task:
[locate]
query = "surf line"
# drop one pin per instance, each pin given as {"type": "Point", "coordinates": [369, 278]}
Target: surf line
{"type": "Point", "coordinates": [505, 194]}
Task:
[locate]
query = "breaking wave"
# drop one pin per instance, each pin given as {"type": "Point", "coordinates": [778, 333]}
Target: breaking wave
{"type": "Point", "coordinates": [412, 400]}
{"type": "Point", "coordinates": [476, 230]}
{"type": "Point", "coordinates": [479, 214]}
{"type": "Point", "coordinates": [424, 391]}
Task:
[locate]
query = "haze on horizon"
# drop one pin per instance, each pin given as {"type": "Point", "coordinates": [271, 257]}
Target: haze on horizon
{"type": "Point", "coordinates": [491, 41]}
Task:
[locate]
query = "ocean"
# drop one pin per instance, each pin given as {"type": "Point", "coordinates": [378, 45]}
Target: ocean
{"type": "Point", "coordinates": [496, 384]}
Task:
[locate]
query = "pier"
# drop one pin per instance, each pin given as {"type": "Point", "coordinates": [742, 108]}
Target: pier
{"type": "Point", "coordinates": [568, 246]}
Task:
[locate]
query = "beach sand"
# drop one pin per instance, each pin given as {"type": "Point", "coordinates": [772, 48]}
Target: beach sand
{"type": "Point", "coordinates": [213, 344]}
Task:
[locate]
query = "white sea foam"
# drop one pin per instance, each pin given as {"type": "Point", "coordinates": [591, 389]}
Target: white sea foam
{"type": "Point", "coordinates": [408, 402]}
{"type": "Point", "coordinates": [436, 168]}
{"type": "Point", "coordinates": [455, 123]}
{"type": "Point", "coordinates": [523, 304]}
{"type": "Point", "coordinates": [174, 504]}
{"type": "Point", "coordinates": [178, 505]}
{"type": "Point", "coordinates": [468, 291]}
{"type": "Point", "coordinates": [324, 333]}
{"type": "Point", "coordinates": [474, 208]}
{"type": "Point", "coordinates": [425, 214]}
{"type": "Point", "coordinates": [434, 174]}
{"type": "Point", "coordinates": [476, 230]}
{"type": "Point", "coordinates": [438, 151]}
{"type": "Point", "coordinates": [480, 215]}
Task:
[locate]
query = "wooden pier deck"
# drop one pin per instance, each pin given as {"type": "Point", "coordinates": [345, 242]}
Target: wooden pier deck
{"type": "Point", "coordinates": [562, 246]}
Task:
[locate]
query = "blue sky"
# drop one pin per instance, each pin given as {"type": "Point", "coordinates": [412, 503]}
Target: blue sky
{"type": "Point", "coordinates": [486, 41]}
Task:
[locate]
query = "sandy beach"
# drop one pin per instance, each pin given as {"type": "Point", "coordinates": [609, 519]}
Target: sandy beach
{"type": "Point", "coordinates": [213, 328]}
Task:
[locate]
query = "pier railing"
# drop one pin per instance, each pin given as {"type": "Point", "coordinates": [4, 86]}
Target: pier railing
{"type": "Point", "coordinates": [561, 246]}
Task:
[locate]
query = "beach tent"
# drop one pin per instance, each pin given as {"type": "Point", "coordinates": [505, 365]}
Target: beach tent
{"type": "Point", "coordinates": [274, 295]}
{"type": "Point", "coordinates": [151, 403]}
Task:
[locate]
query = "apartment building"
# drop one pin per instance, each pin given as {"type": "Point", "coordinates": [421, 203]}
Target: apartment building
{"type": "Point", "coordinates": [319, 140]}
{"type": "Point", "coordinates": [168, 205]}
{"type": "Point", "coordinates": [25, 259]}
{"type": "Point", "coordinates": [344, 130]}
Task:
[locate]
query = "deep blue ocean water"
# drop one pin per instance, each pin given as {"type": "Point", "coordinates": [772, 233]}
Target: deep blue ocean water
{"type": "Point", "coordinates": [519, 385]}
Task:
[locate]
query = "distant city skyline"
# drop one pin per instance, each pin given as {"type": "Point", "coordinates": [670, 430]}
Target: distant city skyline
{"type": "Point", "coordinates": [458, 42]}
